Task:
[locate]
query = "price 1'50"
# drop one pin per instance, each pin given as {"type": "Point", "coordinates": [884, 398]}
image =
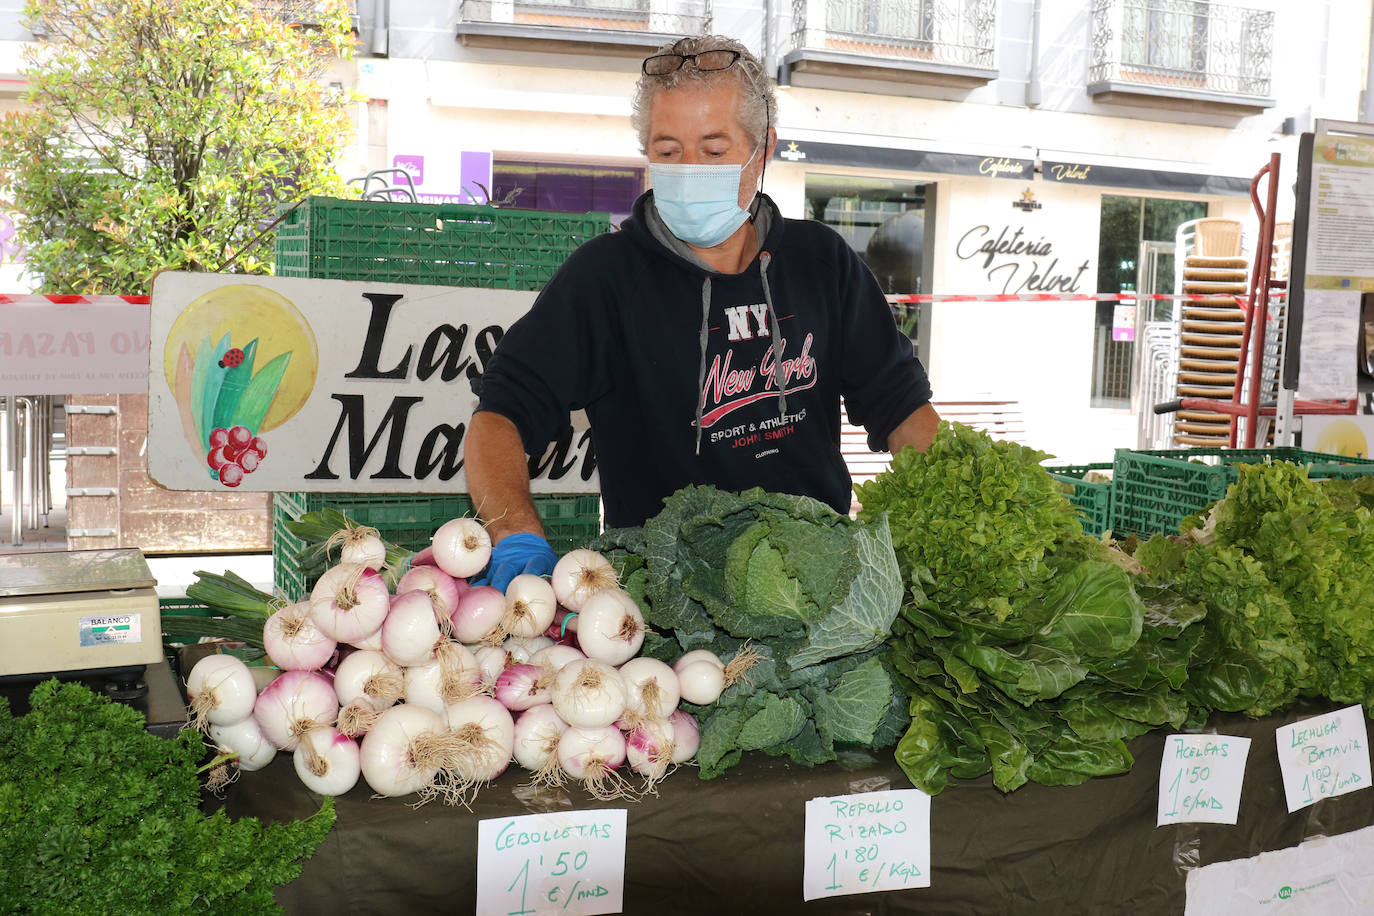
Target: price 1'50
{"type": "Point", "coordinates": [567, 864]}
{"type": "Point", "coordinates": [1196, 798]}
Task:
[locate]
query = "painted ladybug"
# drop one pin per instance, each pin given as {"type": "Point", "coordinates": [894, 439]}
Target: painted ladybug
{"type": "Point", "coordinates": [232, 357]}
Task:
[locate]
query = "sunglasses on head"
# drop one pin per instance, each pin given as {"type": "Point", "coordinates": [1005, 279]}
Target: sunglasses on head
{"type": "Point", "coordinates": [706, 61]}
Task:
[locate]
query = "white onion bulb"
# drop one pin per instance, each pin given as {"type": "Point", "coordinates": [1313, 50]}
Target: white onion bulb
{"type": "Point", "coordinates": [462, 547]}
{"type": "Point", "coordinates": [328, 762]}
{"type": "Point", "coordinates": [245, 739]}
{"type": "Point", "coordinates": [221, 690]}
{"type": "Point", "coordinates": [588, 693]}
{"type": "Point", "coordinates": [578, 575]}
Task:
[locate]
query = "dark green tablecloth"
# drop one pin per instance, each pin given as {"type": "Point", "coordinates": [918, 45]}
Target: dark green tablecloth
{"type": "Point", "coordinates": [734, 845]}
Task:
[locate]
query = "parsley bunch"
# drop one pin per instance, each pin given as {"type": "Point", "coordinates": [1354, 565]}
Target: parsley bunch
{"type": "Point", "coordinates": [101, 817]}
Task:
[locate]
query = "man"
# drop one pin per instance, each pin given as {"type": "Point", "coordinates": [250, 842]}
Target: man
{"type": "Point", "coordinates": [710, 340]}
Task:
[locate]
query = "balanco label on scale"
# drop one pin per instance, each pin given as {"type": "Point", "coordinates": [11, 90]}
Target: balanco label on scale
{"type": "Point", "coordinates": [112, 630]}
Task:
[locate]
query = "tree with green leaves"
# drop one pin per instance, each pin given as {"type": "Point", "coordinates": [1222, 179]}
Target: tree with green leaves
{"type": "Point", "coordinates": [165, 134]}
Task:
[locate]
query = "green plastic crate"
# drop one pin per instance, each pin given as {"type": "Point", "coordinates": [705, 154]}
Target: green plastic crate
{"type": "Point", "coordinates": [410, 521]}
{"type": "Point", "coordinates": [443, 244]}
{"type": "Point", "coordinates": [1093, 498]}
{"type": "Point", "coordinates": [183, 607]}
{"type": "Point", "coordinates": [1152, 491]}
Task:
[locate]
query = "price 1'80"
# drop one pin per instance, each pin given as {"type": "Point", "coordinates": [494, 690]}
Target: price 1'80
{"type": "Point", "coordinates": [869, 868]}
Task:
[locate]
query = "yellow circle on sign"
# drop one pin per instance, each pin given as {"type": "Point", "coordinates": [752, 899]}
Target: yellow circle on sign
{"type": "Point", "coordinates": [1343, 437]}
{"type": "Point", "coordinates": [246, 312]}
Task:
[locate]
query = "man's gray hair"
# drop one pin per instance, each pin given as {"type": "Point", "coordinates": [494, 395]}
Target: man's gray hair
{"type": "Point", "coordinates": [757, 101]}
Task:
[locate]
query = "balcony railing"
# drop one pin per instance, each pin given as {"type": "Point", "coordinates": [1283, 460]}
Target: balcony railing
{"type": "Point", "coordinates": [958, 33]}
{"type": "Point", "coordinates": [660, 17]}
{"type": "Point", "coordinates": [1177, 46]}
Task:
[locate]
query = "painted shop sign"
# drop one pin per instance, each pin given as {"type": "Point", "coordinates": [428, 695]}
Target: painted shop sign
{"type": "Point", "coordinates": [286, 384]}
{"type": "Point", "coordinates": [883, 157]}
{"type": "Point", "coordinates": [1016, 258]}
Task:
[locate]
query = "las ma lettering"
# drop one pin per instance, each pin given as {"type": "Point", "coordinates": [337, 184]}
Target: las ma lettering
{"type": "Point", "coordinates": [449, 353]}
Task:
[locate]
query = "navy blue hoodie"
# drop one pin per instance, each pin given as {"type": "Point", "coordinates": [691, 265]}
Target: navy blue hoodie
{"type": "Point", "coordinates": [675, 365]}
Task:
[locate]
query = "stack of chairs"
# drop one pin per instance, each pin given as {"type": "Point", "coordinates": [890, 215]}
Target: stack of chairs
{"type": "Point", "coordinates": [1211, 264]}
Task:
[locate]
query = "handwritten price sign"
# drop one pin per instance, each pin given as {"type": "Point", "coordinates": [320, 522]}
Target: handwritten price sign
{"type": "Point", "coordinates": [1324, 756]}
{"type": "Point", "coordinates": [569, 863]}
{"type": "Point", "coordinates": [875, 841]}
{"type": "Point", "coordinates": [1200, 779]}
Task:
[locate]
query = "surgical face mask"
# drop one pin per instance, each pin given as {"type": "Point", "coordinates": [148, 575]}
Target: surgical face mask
{"type": "Point", "coordinates": [699, 202]}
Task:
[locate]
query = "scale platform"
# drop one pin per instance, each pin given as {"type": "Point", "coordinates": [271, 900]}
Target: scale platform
{"type": "Point", "coordinates": [78, 613]}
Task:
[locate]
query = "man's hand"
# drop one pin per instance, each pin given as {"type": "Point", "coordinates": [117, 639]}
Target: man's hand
{"type": "Point", "coordinates": [516, 554]}
{"type": "Point", "coordinates": [917, 430]}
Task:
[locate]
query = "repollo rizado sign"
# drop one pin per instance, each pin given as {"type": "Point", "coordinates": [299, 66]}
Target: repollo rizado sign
{"type": "Point", "coordinates": [280, 384]}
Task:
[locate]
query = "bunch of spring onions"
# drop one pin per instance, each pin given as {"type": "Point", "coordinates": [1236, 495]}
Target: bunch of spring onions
{"type": "Point", "coordinates": [436, 687]}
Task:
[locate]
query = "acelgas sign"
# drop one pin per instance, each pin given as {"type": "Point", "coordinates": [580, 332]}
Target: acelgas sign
{"type": "Point", "coordinates": [282, 384]}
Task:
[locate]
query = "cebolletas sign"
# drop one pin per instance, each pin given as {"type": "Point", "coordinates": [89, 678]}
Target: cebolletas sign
{"type": "Point", "coordinates": [285, 384]}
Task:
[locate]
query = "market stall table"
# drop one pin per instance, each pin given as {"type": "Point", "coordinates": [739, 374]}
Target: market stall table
{"type": "Point", "coordinates": [734, 844]}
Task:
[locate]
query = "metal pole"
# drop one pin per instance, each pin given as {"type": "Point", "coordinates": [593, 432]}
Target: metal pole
{"type": "Point", "coordinates": [1259, 298]}
{"type": "Point", "coordinates": [31, 455]}
{"type": "Point", "coordinates": [12, 459]}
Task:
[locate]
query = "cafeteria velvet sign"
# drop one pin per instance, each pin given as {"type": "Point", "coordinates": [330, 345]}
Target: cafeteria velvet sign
{"type": "Point", "coordinates": [286, 384]}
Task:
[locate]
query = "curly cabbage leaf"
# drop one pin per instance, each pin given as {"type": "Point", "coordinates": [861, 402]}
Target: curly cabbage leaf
{"type": "Point", "coordinates": [815, 592]}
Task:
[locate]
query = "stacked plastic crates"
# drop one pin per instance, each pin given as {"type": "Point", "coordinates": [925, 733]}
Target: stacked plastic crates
{"type": "Point", "coordinates": [440, 244]}
{"type": "Point", "coordinates": [1089, 488]}
{"type": "Point", "coordinates": [1152, 491]}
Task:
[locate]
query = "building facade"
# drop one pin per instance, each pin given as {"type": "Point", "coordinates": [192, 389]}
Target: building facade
{"type": "Point", "coordinates": [963, 147]}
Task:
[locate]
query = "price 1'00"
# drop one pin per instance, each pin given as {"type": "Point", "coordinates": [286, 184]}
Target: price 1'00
{"type": "Point", "coordinates": [1325, 781]}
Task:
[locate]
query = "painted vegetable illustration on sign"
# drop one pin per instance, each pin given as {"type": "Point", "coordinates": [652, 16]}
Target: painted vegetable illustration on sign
{"type": "Point", "coordinates": [240, 360]}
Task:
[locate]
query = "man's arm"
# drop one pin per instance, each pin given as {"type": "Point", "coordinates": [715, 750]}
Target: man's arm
{"type": "Point", "coordinates": [918, 430]}
{"type": "Point", "coordinates": [498, 477]}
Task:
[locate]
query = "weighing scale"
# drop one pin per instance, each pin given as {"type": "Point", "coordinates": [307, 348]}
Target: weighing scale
{"type": "Point", "coordinates": [79, 614]}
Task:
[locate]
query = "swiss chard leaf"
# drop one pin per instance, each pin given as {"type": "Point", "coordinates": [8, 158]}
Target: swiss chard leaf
{"type": "Point", "coordinates": [1096, 611]}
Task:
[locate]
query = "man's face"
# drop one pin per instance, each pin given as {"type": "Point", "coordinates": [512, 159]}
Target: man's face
{"type": "Point", "coordinates": [698, 124]}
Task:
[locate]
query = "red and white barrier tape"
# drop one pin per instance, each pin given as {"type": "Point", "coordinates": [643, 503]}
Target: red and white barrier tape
{"type": "Point", "coordinates": [57, 299]}
{"type": "Point", "coordinates": [1069, 297]}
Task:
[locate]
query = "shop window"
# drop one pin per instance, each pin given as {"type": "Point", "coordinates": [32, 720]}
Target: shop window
{"type": "Point", "coordinates": [884, 220]}
{"type": "Point", "coordinates": [1135, 254]}
{"type": "Point", "coordinates": [567, 187]}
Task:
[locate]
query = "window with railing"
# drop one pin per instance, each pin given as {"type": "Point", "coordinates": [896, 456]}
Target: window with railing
{"type": "Point", "coordinates": [677, 17]}
{"type": "Point", "coordinates": [958, 32]}
{"type": "Point", "coordinates": [1187, 44]}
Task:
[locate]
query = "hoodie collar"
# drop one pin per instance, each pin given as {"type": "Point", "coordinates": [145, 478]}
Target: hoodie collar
{"type": "Point", "coordinates": [647, 227]}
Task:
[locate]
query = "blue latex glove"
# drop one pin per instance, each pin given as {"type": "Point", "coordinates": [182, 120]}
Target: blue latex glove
{"type": "Point", "coordinates": [515, 554]}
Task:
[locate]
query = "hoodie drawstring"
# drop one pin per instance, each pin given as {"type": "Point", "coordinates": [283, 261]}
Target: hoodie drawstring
{"type": "Point", "coordinates": [764, 260]}
{"type": "Point", "coordinates": [704, 340]}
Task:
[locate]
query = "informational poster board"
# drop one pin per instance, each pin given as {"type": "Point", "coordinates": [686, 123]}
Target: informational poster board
{"type": "Point", "coordinates": [1333, 259]}
{"type": "Point", "coordinates": [286, 384]}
